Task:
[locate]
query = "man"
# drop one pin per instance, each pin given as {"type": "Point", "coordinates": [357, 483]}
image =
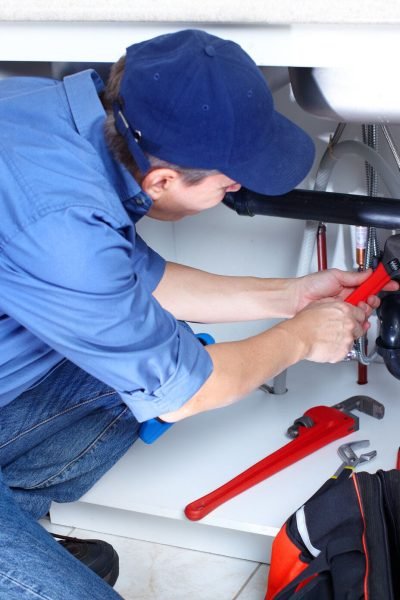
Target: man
{"type": "Point", "coordinates": [90, 339]}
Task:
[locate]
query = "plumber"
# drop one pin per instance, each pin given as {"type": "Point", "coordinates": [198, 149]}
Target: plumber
{"type": "Point", "coordinates": [91, 339]}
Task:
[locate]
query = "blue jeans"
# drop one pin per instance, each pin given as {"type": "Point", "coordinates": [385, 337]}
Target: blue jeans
{"type": "Point", "coordinates": [56, 440]}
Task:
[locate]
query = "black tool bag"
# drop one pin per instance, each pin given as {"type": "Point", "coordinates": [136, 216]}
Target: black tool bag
{"type": "Point", "coordinates": [343, 544]}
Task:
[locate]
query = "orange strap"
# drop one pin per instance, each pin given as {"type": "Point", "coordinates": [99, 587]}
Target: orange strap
{"type": "Point", "coordinates": [285, 564]}
{"type": "Point", "coordinates": [364, 540]}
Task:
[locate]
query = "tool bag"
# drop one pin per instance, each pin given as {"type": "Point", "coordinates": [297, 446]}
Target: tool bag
{"type": "Point", "coordinates": [343, 544]}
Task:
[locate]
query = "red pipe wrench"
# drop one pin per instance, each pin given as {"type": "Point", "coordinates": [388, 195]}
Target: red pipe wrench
{"type": "Point", "coordinates": [318, 426]}
{"type": "Point", "coordinates": [388, 268]}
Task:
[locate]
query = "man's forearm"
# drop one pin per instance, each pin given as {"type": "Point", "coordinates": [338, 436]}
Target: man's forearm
{"type": "Point", "coordinates": [241, 367]}
{"type": "Point", "coordinates": [197, 296]}
{"type": "Point", "coordinates": [322, 332]}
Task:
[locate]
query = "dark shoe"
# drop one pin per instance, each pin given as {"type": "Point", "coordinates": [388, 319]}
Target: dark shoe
{"type": "Point", "coordinates": [99, 556]}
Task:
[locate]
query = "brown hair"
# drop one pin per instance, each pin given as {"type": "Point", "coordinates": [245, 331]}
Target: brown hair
{"type": "Point", "coordinates": [119, 147]}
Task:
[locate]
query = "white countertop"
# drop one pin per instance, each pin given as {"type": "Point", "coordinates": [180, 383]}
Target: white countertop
{"type": "Point", "coordinates": [259, 12]}
{"type": "Point", "coordinates": [295, 45]}
{"type": "Point", "coordinates": [204, 452]}
{"type": "Point", "coordinates": [311, 33]}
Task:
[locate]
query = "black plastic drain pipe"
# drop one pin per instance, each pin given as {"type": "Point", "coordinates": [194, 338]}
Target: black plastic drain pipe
{"type": "Point", "coordinates": [329, 207]}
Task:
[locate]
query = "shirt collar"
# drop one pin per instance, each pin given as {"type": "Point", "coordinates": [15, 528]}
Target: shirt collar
{"type": "Point", "coordinates": [82, 90]}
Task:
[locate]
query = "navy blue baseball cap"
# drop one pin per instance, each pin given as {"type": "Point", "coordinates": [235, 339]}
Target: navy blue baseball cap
{"type": "Point", "coordinates": [198, 101]}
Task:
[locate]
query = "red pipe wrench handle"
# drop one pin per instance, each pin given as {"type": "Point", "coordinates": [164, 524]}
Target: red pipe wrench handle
{"type": "Point", "coordinates": [388, 268]}
{"type": "Point", "coordinates": [329, 424]}
{"type": "Point", "coordinates": [379, 278]}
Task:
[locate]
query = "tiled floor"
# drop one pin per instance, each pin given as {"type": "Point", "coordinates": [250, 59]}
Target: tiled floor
{"type": "Point", "coordinates": [155, 572]}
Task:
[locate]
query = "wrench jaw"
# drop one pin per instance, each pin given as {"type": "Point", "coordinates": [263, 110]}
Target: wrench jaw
{"type": "Point", "coordinates": [350, 459]}
{"type": "Point", "coordinates": [364, 404]}
{"type": "Point", "coordinates": [367, 456]}
{"type": "Point", "coordinates": [347, 451]}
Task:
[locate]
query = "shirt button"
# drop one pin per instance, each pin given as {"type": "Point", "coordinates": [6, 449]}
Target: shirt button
{"type": "Point", "coordinates": [139, 201]}
{"type": "Point", "coordinates": [210, 50]}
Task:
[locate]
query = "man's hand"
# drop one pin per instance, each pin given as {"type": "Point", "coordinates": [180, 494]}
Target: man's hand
{"type": "Point", "coordinates": [327, 329]}
{"type": "Point", "coordinates": [335, 284]}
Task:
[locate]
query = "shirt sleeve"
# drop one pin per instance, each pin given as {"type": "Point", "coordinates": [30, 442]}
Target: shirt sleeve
{"type": "Point", "coordinates": [148, 264]}
{"type": "Point", "coordinates": [84, 287]}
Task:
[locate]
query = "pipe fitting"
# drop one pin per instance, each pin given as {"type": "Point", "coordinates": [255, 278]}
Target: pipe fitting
{"type": "Point", "coordinates": [388, 342]}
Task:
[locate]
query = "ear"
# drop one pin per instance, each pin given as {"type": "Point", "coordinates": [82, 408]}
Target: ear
{"type": "Point", "coordinates": [158, 181]}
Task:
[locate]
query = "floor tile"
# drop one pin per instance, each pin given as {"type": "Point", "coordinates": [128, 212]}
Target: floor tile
{"type": "Point", "coordinates": [155, 572]}
{"type": "Point", "coordinates": [256, 588]}
{"type": "Point", "coordinates": [61, 529]}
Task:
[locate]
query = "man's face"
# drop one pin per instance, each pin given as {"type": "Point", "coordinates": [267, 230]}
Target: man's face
{"type": "Point", "coordinates": [178, 199]}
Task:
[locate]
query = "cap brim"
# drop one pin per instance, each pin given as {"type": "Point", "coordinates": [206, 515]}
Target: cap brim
{"type": "Point", "coordinates": [282, 164]}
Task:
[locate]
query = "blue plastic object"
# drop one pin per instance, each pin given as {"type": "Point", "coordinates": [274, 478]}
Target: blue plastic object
{"type": "Point", "coordinates": [152, 429]}
{"type": "Point", "coordinates": [205, 338]}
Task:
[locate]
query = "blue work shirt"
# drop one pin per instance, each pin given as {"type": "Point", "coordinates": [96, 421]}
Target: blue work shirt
{"type": "Point", "coordinates": [76, 280]}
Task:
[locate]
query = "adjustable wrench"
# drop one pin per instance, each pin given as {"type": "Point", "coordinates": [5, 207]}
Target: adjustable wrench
{"type": "Point", "coordinates": [318, 427]}
{"type": "Point", "coordinates": [350, 460]}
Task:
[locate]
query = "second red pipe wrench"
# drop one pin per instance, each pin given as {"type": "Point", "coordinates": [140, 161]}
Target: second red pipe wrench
{"type": "Point", "coordinates": [388, 268]}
